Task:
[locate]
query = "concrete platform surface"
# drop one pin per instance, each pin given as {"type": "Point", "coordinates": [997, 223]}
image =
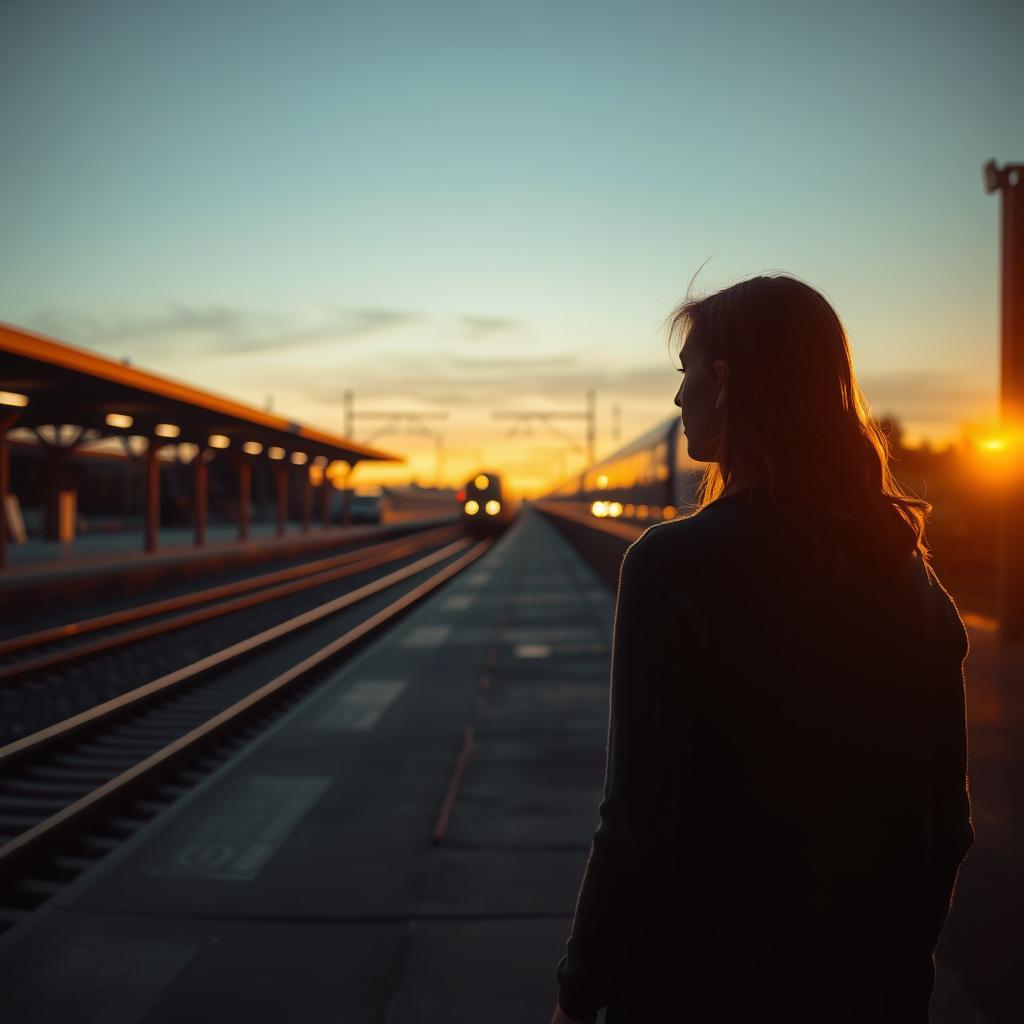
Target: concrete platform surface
{"type": "Point", "coordinates": [299, 882]}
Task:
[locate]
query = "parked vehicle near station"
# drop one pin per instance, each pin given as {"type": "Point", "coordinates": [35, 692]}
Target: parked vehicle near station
{"type": "Point", "coordinates": [649, 479]}
{"type": "Point", "coordinates": [485, 506]}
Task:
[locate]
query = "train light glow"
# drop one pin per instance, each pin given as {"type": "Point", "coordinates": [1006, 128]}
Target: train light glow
{"type": "Point", "coordinates": [492, 508]}
{"type": "Point", "coordinates": [602, 482]}
{"type": "Point", "coordinates": [13, 398]}
{"type": "Point", "coordinates": [252, 447]}
{"type": "Point", "coordinates": [471, 507]}
{"type": "Point", "coordinates": [599, 509]}
{"type": "Point", "coordinates": [481, 482]}
{"type": "Point", "coordinates": [218, 441]}
{"type": "Point", "coordinates": [614, 509]}
{"type": "Point", "coordinates": [166, 430]}
{"type": "Point", "coordinates": [118, 420]}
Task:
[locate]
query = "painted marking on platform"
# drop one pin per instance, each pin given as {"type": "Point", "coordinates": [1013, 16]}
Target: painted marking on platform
{"type": "Point", "coordinates": [533, 650]}
{"type": "Point", "coordinates": [361, 707]}
{"type": "Point", "coordinates": [478, 579]}
{"type": "Point", "coordinates": [243, 828]}
{"type": "Point", "coordinates": [98, 978]}
{"type": "Point", "coordinates": [426, 636]}
{"type": "Point", "coordinates": [459, 602]}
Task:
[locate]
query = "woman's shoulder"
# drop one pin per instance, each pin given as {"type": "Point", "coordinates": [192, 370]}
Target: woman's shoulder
{"type": "Point", "coordinates": [687, 539]}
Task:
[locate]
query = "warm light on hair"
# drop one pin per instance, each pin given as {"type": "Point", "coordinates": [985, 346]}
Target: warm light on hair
{"type": "Point", "coordinates": [118, 420]}
{"type": "Point", "coordinates": [218, 441]}
{"type": "Point", "coordinates": [796, 428]}
{"type": "Point", "coordinates": [166, 430]}
{"type": "Point", "coordinates": [13, 398]}
{"type": "Point", "coordinates": [275, 453]}
{"type": "Point", "coordinates": [252, 447]}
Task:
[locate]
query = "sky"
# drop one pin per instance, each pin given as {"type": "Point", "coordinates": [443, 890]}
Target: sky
{"type": "Point", "coordinates": [467, 207]}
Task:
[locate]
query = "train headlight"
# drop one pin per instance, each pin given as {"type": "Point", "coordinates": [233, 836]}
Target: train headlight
{"type": "Point", "coordinates": [471, 507]}
{"type": "Point", "coordinates": [615, 509]}
{"type": "Point", "coordinates": [599, 509]}
{"type": "Point", "coordinates": [492, 508]}
{"type": "Point", "coordinates": [481, 482]}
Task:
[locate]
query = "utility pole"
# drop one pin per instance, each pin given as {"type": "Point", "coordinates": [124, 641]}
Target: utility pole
{"type": "Point", "coordinates": [590, 415]}
{"type": "Point", "coordinates": [1009, 180]}
{"type": "Point", "coordinates": [616, 421]}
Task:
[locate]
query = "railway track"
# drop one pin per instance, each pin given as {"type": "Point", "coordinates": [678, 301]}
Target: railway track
{"type": "Point", "coordinates": [50, 674]}
{"type": "Point", "coordinates": [74, 790]}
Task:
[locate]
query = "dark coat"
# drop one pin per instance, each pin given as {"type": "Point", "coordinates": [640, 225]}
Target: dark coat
{"type": "Point", "coordinates": [785, 805]}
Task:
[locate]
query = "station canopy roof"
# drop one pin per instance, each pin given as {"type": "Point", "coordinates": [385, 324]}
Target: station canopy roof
{"type": "Point", "coordinates": [49, 383]}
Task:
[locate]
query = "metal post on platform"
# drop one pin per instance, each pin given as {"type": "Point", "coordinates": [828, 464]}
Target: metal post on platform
{"type": "Point", "coordinates": [199, 497]}
{"type": "Point", "coordinates": [281, 482]}
{"type": "Point", "coordinates": [244, 496]}
{"type": "Point", "coordinates": [1009, 180]}
{"type": "Point", "coordinates": [152, 495]}
{"type": "Point", "coordinates": [5, 486]}
{"type": "Point", "coordinates": [325, 501]}
{"type": "Point", "coordinates": [307, 500]}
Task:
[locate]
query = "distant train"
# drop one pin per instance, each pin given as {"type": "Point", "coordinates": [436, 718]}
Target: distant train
{"type": "Point", "coordinates": [650, 479]}
{"type": "Point", "coordinates": [485, 506]}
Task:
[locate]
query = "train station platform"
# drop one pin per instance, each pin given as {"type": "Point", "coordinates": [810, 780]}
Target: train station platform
{"type": "Point", "coordinates": [407, 843]}
{"type": "Point", "coordinates": [302, 880]}
{"type": "Point", "coordinates": [106, 561]}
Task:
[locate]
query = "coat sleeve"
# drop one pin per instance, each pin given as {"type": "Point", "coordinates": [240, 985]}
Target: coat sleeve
{"type": "Point", "coordinates": [952, 831]}
{"type": "Point", "coordinates": [630, 864]}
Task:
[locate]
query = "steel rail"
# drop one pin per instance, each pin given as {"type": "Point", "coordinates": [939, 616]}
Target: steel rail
{"type": "Point", "coordinates": [117, 788]}
{"type": "Point", "coordinates": [53, 634]}
{"type": "Point", "coordinates": [36, 741]}
{"type": "Point", "coordinates": [354, 562]}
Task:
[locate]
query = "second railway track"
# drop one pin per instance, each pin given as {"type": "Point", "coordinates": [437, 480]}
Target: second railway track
{"type": "Point", "coordinates": [72, 790]}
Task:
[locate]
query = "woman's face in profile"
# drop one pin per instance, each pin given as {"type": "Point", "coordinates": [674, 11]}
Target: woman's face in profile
{"type": "Point", "coordinates": [696, 397]}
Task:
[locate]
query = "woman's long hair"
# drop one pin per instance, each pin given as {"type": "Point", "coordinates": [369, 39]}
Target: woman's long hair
{"type": "Point", "coordinates": [796, 424]}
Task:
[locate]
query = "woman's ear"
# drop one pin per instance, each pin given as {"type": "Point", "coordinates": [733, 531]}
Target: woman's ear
{"type": "Point", "coordinates": [720, 371]}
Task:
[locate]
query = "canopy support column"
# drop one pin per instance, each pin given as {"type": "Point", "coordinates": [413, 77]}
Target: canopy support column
{"type": "Point", "coordinates": [325, 502]}
{"type": "Point", "coordinates": [199, 498]}
{"type": "Point", "coordinates": [307, 500]}
{"type": "Point", "coordinates": [281, 482]}
{"type": "Point", "coordinates": [152, 496]}
{"type": "Point", "coordinates": [5, 484]}
{"type": "Point", "coordinates": [244, 497]}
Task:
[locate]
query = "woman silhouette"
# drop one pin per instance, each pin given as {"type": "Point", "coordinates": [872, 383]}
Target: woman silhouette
{"type": "Point", "coordinates": [785, 802]}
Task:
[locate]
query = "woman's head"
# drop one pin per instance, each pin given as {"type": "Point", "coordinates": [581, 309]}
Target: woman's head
{"type": "Point", "coordinates": [770, 400]}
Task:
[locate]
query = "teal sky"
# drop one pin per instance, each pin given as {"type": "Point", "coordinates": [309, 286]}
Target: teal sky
{"type": "Point", "coordinates": [480, 205]}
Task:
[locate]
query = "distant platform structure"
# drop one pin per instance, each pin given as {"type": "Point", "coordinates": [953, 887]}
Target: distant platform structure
{"type": "Point", "coordinates": [59, 398]}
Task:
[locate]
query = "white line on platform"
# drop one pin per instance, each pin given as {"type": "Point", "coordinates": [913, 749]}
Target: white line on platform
{"type": "Point", "coordinates": [478, 579]}
{"type": "Point", "coordinates": [459, 602]}
{"type": "Point", "coordinates": [426, 636]}
{"type": "Point", "coordinates": [533, 650]}
{"type": "Point", "coordinates": [361, 707]}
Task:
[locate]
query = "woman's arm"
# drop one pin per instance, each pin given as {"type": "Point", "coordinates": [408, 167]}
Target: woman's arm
{"type": "Point", "coordinates": [630, 864]}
